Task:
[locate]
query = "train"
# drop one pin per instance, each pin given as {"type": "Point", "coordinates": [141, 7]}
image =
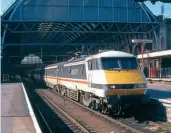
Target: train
{"type": "Point", "coordinates": [107, 82]}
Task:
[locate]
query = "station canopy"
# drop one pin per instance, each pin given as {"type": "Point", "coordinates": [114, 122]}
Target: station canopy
{"type": "Point", "coordinates": [56, 27]}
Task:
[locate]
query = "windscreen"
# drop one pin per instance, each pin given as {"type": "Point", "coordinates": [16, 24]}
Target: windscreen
{"type": "Point", "coordinates": [119, 63]}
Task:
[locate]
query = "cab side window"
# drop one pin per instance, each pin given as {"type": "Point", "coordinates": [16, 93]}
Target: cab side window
{"type": "Point", "coordinates": [93, 64]}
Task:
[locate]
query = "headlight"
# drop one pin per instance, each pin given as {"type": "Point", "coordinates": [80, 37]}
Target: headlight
{"type": "Point", "coordinates": [140, 85]}
{"type": "Point", "coordinates": [115, 86]}
{"type": "Point", "coordinates": [112, 86]}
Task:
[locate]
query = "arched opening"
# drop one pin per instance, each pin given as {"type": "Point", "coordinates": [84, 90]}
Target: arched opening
{"type": "Point", "coordinates": [31, 59]}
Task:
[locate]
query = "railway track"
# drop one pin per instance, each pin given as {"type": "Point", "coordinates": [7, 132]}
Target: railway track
{"type": "Point", "coordinates": [111, 125]}
{"type": "Point", "coordinates": [49, 119]}
{"type": "Point", "coordinates": [77, 124]}
{"type": "Point", "coordinates": [161, 126]}
{"type": "Point", "coordinates": [73, 124]}
{"type": "Point", "coordinates": [129, 122]}
{"type": "Point", "coordinates": [85, 118]}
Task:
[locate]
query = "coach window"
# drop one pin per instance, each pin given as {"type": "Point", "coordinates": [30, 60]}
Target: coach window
{"type": "Point", "coordinates": [80, 69]}
{"type": "Point", "coordinates": [65, 69]}
{"type": "Point", "coordinates": [84, 71]}
{"type": "Point", "coordinates": [69, 69]}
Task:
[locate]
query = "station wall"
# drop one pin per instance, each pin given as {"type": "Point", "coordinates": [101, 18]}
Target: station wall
{"type": "Point", "coordinates": [165, 34]}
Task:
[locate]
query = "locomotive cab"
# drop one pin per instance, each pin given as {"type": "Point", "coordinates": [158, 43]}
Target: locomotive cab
{"type": "Point", "coordinates": [119, 80]}
{"type": "Point", "coordinates": [126, 81]}
{"type": "Point", "coordinates": [123, 73]}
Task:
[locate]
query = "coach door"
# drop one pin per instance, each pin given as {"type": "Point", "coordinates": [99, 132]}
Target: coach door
{"type": "Point", "coordinates": [93, 65]}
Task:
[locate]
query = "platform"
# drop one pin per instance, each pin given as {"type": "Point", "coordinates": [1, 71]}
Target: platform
{"type": "Point", "coordinates": [159, 79]}
{"type": "Point", "coordinates": [16, 115]}
{"type": "Point", "coordinates": [156, 86]}
{"type": "Point", "coordinates": [159, 91]}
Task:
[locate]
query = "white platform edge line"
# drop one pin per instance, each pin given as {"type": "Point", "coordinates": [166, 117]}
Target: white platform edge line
{"type": "Point", "coordinates": [167, 105]}
{"type": "Point", "coordinates": [159, 79]}
{"type": "Point", "coordinates": [164, 102]}
{"type": "Point", "coordinates": [36, 125]}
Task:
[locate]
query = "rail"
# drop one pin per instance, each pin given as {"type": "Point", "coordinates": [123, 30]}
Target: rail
{"type": "Point", "coordinates": [150, 123]}
{"type": "Point", "coordinates": [58, 110]}
{"type": "Point", "coordinates": [123, 124]}
{"type": "Point", "coordinates": [99, 115]}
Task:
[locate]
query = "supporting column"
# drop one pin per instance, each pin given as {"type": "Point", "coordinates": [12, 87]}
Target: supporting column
{"type": "Point", "coordinates": [160, 61]}
{"type": "Point", "coordinates": [134, 48]}
{"type": "Point", "coordinates": [142, 52]}
{"type": "Point", "coordinates": [83, 50]}
{"type": "Point", "coordinates": [149, 68]}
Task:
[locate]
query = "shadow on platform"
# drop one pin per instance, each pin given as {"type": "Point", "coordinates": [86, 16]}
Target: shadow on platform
{"type": "Point", "coordinates": [153, 111]}
{"type": "Point", "coordinates": [12, 81]}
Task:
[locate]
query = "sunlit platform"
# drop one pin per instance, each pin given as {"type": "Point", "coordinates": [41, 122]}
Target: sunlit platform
{"type": "Point", "coordinates": [16, 115]}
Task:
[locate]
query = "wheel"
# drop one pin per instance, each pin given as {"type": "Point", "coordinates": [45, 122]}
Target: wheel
{"type": "Point", "coordinates": [86, 100]}
{"type": "Point", "coordinates": [105, 109]}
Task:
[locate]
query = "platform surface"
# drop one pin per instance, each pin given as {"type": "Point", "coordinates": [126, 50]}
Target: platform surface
{"type": "Point", "coordinates": [159, 79]}
{"type": "Point", "coordinates": [160, 91]}
{"type": "Point", "coordinates": [15, 116]}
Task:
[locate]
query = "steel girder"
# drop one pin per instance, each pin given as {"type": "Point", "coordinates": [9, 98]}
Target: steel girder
{"type": "Point", "coordinates": [73, 33]}
{"type": "Point", "coordinates": [101, 25]}
{"type": "Point", "coordinates": [130, 18]}
{"type": "Point", "coordinates": [80, 27]}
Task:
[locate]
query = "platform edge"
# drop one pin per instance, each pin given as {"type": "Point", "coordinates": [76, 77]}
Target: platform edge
{"type": "Point", "coordinates": [33, 117]}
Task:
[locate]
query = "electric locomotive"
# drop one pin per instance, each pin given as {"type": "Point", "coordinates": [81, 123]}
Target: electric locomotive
{"type": "Point", "coordinates": [107, 81]}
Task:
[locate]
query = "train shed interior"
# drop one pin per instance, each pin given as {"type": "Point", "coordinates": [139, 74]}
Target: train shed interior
{"type": "Point", "coordinates": [55, 30]}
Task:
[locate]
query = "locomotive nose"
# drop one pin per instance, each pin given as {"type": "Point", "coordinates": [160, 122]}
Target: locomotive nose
{"type": "Point", "coordinates": [124, 77]}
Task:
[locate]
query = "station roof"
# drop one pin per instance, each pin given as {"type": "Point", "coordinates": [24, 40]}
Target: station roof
{"type": "Point", "coordinates": [60, 26]}
{"type": "Point", "coordinates": [165, 53]}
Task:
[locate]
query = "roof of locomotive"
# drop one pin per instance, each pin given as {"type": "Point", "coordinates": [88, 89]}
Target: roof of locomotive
{"type": "Point", "coordinates": [99, 55]}
{"type": "Point", "coordinates": [111, 54]}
